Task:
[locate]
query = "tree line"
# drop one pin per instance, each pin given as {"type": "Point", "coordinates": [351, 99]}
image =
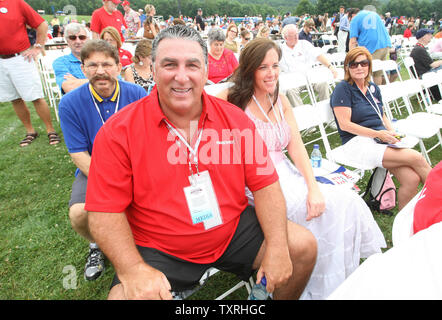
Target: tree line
{"type": "Point", "coordinates": [235, 8]}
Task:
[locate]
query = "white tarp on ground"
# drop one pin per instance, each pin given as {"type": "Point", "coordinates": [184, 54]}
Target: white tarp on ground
{"type": "Point", "coordinates": [410, 270]}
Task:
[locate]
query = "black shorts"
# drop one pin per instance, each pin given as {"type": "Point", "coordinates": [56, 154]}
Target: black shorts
{"type": "Point", "coordinates": [78, 194]}
{"type": "Point", "coordinates": [238, 257]}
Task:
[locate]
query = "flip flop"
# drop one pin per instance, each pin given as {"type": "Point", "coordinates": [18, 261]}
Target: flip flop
{"type": "Point", "coordinates": [29, 138]}
{"type": "Point", "coordinates": [53, 137]}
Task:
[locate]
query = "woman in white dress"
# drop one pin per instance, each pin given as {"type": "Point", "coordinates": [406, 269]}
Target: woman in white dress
{"type": "Point", "coordinates": [340, 220]}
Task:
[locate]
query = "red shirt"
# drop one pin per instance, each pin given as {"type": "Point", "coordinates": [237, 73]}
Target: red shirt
{"type": "Point", "coordinates": [101, 19]}
{"type": "Point", "coordinates": [125, 57]}
{"type": "Point", "coordinates": [407, 33]}
{"type": "Point", "coordinates": [222, 68]}
{"type": "Point", "coordinates": [428, 209]}
{"type": "Point", "coordinates": [136, 169]}
{"type": "Point", "coordinates": [13, 35]}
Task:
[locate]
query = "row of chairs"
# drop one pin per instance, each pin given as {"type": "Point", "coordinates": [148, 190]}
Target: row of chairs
{"type": "Point", "coordinates": [50, 87]}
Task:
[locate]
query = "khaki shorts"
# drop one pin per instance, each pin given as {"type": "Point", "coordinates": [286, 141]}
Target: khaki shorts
{"type": "Point", "coordinates": [380, 54]}
{"type": "Point", "coordinates": [19, 78]}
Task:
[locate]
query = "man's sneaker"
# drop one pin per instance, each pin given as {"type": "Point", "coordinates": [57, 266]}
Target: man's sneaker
{"type": "Point", "coordinates": [95, 264]}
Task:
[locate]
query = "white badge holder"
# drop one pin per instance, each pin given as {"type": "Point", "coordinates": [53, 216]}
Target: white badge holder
{"type": "Point", "coordinates": [202, 201]}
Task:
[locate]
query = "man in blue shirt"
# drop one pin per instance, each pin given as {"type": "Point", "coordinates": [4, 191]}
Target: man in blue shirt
{"type": "Point", "coordinates": [344, 28]}
{"type": "Point", "coordinates": [368, 30]}
{"type": "Point", "coordinates": [67, 68]}
{"type": "Point", "coordinates": [289, 19]}
{"type": "Point", "coordinates": [305, 34]}
{"type": "Point", "coordinates": [82, 113]}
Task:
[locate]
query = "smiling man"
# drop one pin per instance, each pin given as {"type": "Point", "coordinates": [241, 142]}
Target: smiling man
{"type": "Point", "coordinates": [82, 113]}
{"type": "Point", "coordinates": [163, 224]}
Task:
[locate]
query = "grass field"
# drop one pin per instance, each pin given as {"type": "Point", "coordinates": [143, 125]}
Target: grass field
{"type": "Point", "coordinates": [41, 257]}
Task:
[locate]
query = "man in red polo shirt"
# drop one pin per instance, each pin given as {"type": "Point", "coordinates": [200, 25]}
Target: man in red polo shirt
{"type": "Point", "coordinates": [19, 78]}
{"type": "Point", "coordinates": [107, 15]}
{"type": "Point", "coordinates": [166, 189]}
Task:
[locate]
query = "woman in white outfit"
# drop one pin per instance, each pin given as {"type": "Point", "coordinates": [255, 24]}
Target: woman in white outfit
{"type": "Point", "coordinates": [340, 220]}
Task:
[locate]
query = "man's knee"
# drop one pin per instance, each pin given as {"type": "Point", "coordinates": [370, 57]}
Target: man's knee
{"type": "Point", "coordinates": [302, 244]}
{"type": "Point", "coordinates": [116, 293]}
{"type": "Point", "coordinates": [78, 215]}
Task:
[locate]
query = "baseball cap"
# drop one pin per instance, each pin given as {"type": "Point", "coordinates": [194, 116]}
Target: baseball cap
{"type": "Point", "coordinates": [125, 3]}
{"type": "Point", "coordinates": [420, 33]}
{"type": "Point", "coordinates": [115, 1]}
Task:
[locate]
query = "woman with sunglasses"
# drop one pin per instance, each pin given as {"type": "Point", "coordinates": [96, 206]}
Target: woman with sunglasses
{"type": "Point", "coordinates": [340, 220]}
{"type": "Point", "coordinates": [359, 114]}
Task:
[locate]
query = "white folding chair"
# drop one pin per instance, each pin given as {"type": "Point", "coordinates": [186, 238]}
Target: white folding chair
{"type": "Point", "coordinates": [317, 116]}
{"type": "Point", "coordinates": [295, 80]}
{"type": "Point", "coordinates": [50, 87]}
{"type": "Point", "coordinates": [181, 295]}
{"type": "Point", "coordinates": [431, 79]}
{"type": "Point", "coordinates": [421, 125]}
{"type": "Point", "coordinates": [214, 89]}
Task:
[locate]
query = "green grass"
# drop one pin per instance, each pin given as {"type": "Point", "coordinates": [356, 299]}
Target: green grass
{"type": "Point", "coordinates": [37, 241]}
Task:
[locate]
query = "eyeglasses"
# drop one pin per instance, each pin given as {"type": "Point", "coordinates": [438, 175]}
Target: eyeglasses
{"type": "Point", "coordinates": [94, 66]}
{"type": "Point", "coordinates": [81, 37]}
{"type": "Point", "coordinates": [354, 64]}
{"type": "Point", "coordinates": [235, 31]}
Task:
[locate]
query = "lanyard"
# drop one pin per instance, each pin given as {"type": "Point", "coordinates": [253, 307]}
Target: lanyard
{"type": "Point", "coordinates": [192, 151]}
{"type": "Point", "coordinates": [98, 109]}
{"type": "Point", "coordinates": [376, 108]}
{"type": "Point", "coordinates": [279, 130]}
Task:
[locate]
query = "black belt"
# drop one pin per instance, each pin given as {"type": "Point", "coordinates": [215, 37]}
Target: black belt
{"type": "Point", "coordinates": [344, 30]}
{"type": "Point", "coordinates": [7, 56]}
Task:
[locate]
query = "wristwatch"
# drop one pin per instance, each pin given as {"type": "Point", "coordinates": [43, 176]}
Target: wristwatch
{"type": "Point", "coordinates": [38, 45]}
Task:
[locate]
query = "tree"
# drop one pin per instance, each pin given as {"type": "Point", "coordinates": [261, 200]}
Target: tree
{"type": "Point", "coordinates": [304, 6]}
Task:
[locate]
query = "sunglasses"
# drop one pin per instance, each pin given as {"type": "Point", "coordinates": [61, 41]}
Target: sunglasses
{"type": "Point", "coordinates": [247, 39]}
{"type": "Point", "coordinates": [354, 64]}
{"type": "Point", "coordinates": [81, 37]}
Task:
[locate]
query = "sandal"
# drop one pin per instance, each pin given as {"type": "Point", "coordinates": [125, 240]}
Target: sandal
{"type": "Point", "coordinates": [53, 138]}
{"type": "Point", "coordinates": [29, 138]}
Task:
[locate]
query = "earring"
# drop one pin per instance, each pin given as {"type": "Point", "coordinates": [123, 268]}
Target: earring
{"type": "Point", "coordinates": [141, 63]}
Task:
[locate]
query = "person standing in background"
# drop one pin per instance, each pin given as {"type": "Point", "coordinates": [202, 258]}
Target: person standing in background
{"type": "Point", "coordinates": [19, 78]}
{"type": "Point", "coordinates": [106, 16]}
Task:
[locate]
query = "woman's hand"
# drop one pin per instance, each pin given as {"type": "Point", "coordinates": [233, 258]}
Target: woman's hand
{"type": "Point", "coordinates": [387, 136]}
{"type": "Point", "coordinates": [315, 203]}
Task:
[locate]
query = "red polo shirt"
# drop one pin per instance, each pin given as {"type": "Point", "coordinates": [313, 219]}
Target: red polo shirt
{"type": "Point", "coordinates": [101, 19]}
{"type": "Point", "coordinates": [428, 209]}
{"type": "Point", "coordinates": [138, 168]}
{"type": "Point", "coordinates": [14, 16]}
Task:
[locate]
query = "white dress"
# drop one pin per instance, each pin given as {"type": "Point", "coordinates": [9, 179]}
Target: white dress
{"type": "Point", "coordinates": [345, 232]}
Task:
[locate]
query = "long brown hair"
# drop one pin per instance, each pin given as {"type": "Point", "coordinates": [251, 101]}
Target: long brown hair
{"type": "Point", "coordinates": [243, 78]}
{"type": "Point", "coordinates": [350, 57]}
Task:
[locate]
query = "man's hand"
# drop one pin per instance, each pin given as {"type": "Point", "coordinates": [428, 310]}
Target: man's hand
{"type": "Point", "coordinates": [142, 281]}
{"type": "Point", "coordinates": [31, 53]}
{"type": "Point", "coordinates": [276, 266]}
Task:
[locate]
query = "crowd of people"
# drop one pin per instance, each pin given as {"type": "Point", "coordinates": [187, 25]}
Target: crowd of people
{"type": "Point", "coordinates": [148, 193]}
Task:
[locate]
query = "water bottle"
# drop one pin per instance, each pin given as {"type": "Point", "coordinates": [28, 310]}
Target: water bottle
{"type": "Point", "coordinates": [259, 291]}
{"type": "Point", "coordinates": [316, 157]}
